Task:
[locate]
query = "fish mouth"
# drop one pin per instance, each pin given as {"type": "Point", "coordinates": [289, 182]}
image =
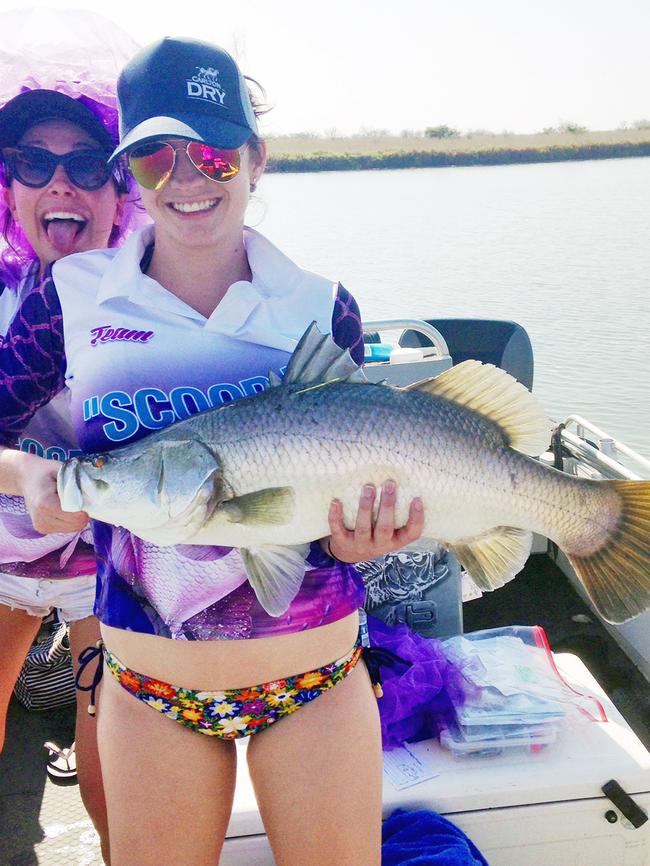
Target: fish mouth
{"type": "Point", "coordinates": [68, 485]}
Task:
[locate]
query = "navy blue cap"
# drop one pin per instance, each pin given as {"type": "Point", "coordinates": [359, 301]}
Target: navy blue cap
{"type": "Point", "coordinates": [184, 88]}
{"type": "Point", "coordinates": [36, 106]}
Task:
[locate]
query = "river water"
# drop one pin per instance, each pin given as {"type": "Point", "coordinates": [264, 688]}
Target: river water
{"type": "Point", "coordinates": [562, 248]}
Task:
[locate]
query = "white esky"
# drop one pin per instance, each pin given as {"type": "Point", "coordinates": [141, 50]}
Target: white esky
{"type": "Point", "coordinates": [358, 65]}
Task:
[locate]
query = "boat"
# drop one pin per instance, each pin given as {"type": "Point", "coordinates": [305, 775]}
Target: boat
{"type": "Point", "coordinates": [581, 801]}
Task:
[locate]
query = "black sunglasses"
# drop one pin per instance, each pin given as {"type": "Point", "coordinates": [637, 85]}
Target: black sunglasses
{"type": "Point", "coordinates": [35, 167]}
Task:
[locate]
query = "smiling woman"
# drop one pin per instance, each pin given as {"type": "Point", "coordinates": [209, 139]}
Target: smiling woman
{"type": "Point", "coordinates": [58, 197]}
{"type": "Point", "coordinates": [221, 306]}
{"type": "Point", "coordinates": [59, 186]}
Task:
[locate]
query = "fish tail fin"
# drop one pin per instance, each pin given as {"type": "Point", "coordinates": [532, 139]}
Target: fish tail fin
{"type": "Point", "coordinates": [617, 575]}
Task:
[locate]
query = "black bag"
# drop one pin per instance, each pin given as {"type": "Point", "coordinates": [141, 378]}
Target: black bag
{"type": "Point", "coordinates": [47, 679]}
{"type": "Point", "coordinates": [420, 588]}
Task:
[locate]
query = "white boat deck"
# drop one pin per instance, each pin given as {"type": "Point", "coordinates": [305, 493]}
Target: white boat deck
{"type": "Point", "coordinates": [521, 810]}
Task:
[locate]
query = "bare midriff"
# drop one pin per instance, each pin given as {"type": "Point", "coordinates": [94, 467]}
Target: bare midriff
{"type": "Point", "coordinates": [231, 664]}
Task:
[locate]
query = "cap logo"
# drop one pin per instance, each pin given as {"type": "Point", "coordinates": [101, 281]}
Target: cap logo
{"type": "Point", "coordinates": [206, 85]}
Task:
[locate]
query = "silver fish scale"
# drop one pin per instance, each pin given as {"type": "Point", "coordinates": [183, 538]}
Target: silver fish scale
{"type": "Point", "coordinates": [292, 449]}
{"type": "Point", "coordinates": [260, 473]}
{"type": "Point", "coordinates": [326, 442]}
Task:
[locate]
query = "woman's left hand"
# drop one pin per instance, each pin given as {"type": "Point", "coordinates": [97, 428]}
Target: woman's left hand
{"type": "Point", "coordinates": [373, 538]}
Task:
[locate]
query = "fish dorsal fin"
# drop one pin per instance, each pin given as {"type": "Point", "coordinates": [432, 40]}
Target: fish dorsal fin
{"type": "Point", "coordinates": [496, 395]}
{"type": "Point", "coordinates": [496, 557]}
{"type": "Point", "coordinates": [318, 360]}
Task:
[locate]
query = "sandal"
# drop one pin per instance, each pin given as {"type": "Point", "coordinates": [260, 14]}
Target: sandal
{"type": "Point", "coordinates": [62, 763]}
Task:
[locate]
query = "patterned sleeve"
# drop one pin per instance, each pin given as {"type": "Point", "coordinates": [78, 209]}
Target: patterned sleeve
{"type": "Point", "coordinates": [32, 360]}
{"type": "Point", "coordinates": [346, 333]}
{"type": "Point", "coordinates": [346, 324]}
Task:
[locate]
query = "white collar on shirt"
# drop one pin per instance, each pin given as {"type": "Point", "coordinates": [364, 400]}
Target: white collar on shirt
{"type": "Point", "coordinates": [272, 309]}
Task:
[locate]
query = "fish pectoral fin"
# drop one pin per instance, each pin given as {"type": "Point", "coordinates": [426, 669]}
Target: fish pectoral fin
{"type": "Point", "coordinates": [273, 506]}
{"type": "Point", "coordinates": [496, 557]}
{"type": "Point", "coordinates": [497, 396]}
{"type": "Point", "coordinates": [275, 573]}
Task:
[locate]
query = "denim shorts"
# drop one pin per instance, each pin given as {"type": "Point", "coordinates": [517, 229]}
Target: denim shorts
{"type": "Point", "coordinates": [73, 596]}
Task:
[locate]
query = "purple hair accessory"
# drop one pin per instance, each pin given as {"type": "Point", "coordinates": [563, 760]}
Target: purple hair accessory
{"type": "Point", "coordinates": [79, 54]}
{"type": "Point", "coordinates": [418, 698]}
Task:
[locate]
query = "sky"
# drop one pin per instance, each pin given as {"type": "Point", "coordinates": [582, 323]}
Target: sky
{"type": "Point", "coordinates": [349, 66]}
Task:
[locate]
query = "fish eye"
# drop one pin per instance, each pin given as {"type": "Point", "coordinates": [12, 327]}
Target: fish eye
{"type": "Point", "coordinates": [98, 462]}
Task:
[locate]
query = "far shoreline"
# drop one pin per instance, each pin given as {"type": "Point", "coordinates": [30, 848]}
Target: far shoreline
{"type": "Point", "coordinates": [356, 153]}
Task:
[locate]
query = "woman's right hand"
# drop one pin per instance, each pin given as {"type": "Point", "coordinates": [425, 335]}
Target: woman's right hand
{"type": "Point", "coordinates": [38, 487]}
{"type": "Point", "coordinates": [372, 537]}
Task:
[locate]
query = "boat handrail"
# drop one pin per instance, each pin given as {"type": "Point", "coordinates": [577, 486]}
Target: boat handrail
{"type": "Point", "coordinates": [419, 325]}
{"type": "Point", "coordinates": [605, 455]}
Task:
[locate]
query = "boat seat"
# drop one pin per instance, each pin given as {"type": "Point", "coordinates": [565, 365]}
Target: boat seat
{"type": "Point", "coordinates": [492, 341]}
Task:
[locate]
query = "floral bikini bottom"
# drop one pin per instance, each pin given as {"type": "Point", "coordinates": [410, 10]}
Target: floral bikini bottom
{"type": "Point", "coordinates": [233, 713]}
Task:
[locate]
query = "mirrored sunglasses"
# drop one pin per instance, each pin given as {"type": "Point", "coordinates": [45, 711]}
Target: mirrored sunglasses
{"type": "Point", "coordinates": [152, 163]}
{"type": "Point", "coordinates": [35, 166]}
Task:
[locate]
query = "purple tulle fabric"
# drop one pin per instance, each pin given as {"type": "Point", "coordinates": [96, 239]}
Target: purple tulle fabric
{"type": "Point", "coordinates": [418, 698]}
{"type": "Point", "coordinates": [76, 53]}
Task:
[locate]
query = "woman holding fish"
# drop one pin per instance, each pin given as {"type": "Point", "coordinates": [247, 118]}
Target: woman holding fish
{"type": "Point", "coordinates": [58, 197]}
{"type": "Point", "coordinates": [191, 313]}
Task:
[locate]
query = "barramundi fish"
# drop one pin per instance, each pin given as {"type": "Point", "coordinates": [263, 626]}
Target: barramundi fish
{"type": "Point", "coordinates": [260, 473]}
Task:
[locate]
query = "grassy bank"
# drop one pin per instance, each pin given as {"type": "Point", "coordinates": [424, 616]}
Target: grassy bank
{"type": "Point", "coordinates": [311, 153]}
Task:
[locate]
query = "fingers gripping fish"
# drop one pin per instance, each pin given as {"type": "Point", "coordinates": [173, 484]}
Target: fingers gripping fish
{"type": "Point", "coordinates": [260, 473]}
